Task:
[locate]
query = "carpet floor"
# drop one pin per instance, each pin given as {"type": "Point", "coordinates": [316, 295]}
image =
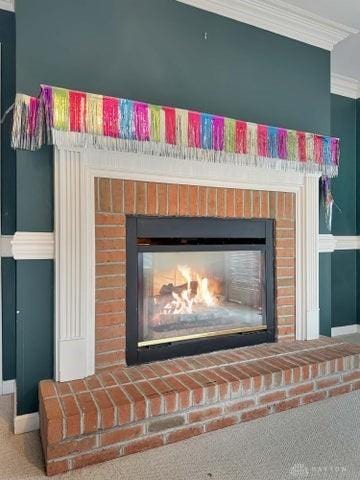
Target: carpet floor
{"type": "Point", "coordinates": [318, 441]}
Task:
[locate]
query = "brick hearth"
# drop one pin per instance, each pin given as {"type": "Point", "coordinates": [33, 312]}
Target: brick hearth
{"type": "Point", "coordinates": [128, 410]}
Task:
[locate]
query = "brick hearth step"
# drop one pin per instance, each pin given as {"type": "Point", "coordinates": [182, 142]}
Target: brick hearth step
{"type": "Point", "coordinates": [130, 409]}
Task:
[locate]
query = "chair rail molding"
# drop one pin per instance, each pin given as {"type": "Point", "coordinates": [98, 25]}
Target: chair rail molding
{"type": "Point", "coordinates": [280, 17]}
{"type": "Point", "coordinates": [33, 246]}
{"type": "Point", "coordinates": [348, 242]}
{"type": "Point", "coordinates": [7, 5]}
{"type": "Point", "coordinates": [75, 171]}
{"type": "Point", "coordinates": [327, 243]}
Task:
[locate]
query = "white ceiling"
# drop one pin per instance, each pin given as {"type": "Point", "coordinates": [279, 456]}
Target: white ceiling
{"type": "Point", "coordinates": [345, 58]}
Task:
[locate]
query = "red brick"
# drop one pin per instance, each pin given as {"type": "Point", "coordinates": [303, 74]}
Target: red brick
{"type": "Point", "coordinates": [239, 203]}
{"type": "Point", "coordinates": [333, 392]}
{"type": "Point", "coordinates": [105, 195]}
{"type": "Point", "coordinates": [272, 397]}
{"type": "Point", "coordinates": [106, 407]}
{"type": "Point", "coordinates": [221, 202]}
{"type": "Point", "coordinates": [109, 219]}
{"type": "Point", "coordinates": [212, 202]}
{"type": "Point", "coordinates": [349, 377]}
{"type": "Point", "coordinates": [96, 457]}
{"type": "Point", "coordinates": [129, 196]}
{"type": "Point", "coordinates": [230, 202]}
{"type": "Point", "coordinates": [47, 389]}
{"type": "Point", "coordinates": [193, 200]}
{"type": "Point", "coordinates": [122, 403]}
{"type": "Point", "coordinates": [144, 444]}
{"type": "Point", "coordinates": [301, 389]}
{"type": "Point", "coordinates": [173, 199]}
{"type": "Point", "coordinates": [162, 198]}
{"type": "Point", "coordinates": [287, 404]}
{"type": "Point", "coordinates": [254, 414]}
{"type": "Point", "coordinates": [151, 202]}
{"type": "Point", "coordinates": [204, 414]}
{"type": "Point", "coordinates": [120, 435]}
{"type": "Point", "coordinates": [248, 203]}
{"type": "Point", "coordinates": [265, 212]}
{"type": "Point", "coordinates": [89, 411]}
{"type": "Point", "coordinates": [220, 423]}
{"type": "Point", "coordinates": [72, 416]}
{"type": "Point", "coordinates": [313, 397]}
{"type": "Point", "coordinates": [72, 447]}
{"type": "Point", "coordinates": [117, 190]}
{"type": "Point", "coordinates": [239, 405]}
{"type": "Point", "coordinates": [327, 382]}
{"type": "Point", "coordinates": [184, 433]}
{"type": "Point", "coordinates": [256, 204]}
{"type": "Point", "coordinates": [55, 468]}
{"type": "Point", "coordinates": [202, 201]}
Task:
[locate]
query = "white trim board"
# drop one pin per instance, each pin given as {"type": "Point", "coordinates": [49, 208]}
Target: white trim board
{"type": "Point", "coordinates": [345, 86]}
{"type": "Point", "coordinates": [7, 5]}
{"type": "Point", "coordinates": [26, 423]}
{"type": "Point", "coordinates": [330, 243]}
{"type": "Point", "coordinates": [33, 246]}
{"type": "Point", "coordinates": [8, 387]}
{"type": "Point", "coordinates": [345, 330]}
{"type": "Point", "coordinates": [280, 17]}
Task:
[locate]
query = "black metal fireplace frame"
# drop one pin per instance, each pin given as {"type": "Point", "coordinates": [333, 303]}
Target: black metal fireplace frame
{"type": "Point", "coordinates": [154, 234]}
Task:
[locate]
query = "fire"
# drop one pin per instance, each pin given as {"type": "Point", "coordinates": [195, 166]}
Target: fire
{"type": "Point", "coordinates": [196, 292]}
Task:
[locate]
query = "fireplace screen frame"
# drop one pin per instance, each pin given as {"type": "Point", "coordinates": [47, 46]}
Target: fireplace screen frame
{"type": "Point", "coordinates": [153, 234]}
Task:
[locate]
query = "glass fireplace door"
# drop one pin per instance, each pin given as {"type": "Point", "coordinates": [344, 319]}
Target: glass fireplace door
{"type": "Point", "coordinates": [184, 295]}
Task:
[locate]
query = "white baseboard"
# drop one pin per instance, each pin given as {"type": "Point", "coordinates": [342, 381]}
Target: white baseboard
{"type": "Point", "coordinates": [26, 423]}
{"type": "Point", "coordinates": [345, 330]}
{"type": "Point", "coordinates": [8, 387]}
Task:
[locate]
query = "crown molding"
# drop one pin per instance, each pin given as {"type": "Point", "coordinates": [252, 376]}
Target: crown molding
{"type": "Point", "coordinates": [7, 5]}
{"type": "Point", "coordinates": [279, 17]}
{"type": "Point", "coordinates": [345, 86]}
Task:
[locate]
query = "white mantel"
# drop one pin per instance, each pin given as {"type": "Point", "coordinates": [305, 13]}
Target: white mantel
{"type": "Point", "coordinates": [75, 170]}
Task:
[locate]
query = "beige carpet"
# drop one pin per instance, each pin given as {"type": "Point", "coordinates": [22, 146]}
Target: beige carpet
{"type": "Point", "coordinates": [319, 441]}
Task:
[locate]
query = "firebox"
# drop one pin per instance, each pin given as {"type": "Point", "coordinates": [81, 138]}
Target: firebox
{"type": "Point", "coordinates": [197, 284]}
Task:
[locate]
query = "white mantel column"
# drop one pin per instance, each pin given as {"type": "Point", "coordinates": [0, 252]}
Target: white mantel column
{"type": "Point", "coordinates": [74, 275]}
{"type": "Point", "coordinates": [307, 261]}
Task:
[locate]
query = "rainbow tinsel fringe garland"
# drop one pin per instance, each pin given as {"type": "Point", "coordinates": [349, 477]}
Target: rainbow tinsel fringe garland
{"type": "Point", "coordinates": [61, 116]}
{"type": "Point", "coordinates": [119, 124]}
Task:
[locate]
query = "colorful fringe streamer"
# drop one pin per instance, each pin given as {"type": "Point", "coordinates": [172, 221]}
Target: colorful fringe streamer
{"type": "Point", "coordinates": [328, 200]}
{"type": "Point", "coordinates": [83, 119]}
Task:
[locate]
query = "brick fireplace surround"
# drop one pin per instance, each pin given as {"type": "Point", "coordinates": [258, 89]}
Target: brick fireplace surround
{"type": "Point", "coordinates": [123, 410]}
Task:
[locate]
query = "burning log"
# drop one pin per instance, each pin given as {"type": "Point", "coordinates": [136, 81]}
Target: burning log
{"type": "Point", "coordinates": [170, 288]}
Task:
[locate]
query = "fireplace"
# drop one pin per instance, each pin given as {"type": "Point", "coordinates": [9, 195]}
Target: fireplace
{"type": "Point", "coordinates": [197, 284]}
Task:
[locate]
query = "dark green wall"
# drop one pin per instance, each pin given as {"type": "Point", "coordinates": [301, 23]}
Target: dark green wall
{"type": "Point", "coordinates": [153, 51]}
{"type": "Point", "coordinates": [8, 317]}
{"type": "Point", "coordinates": [344, 263]}
{"type": "Point", "coordinates": [35, 330]}
{"type": "Point", "coordinates": [325, 293]}
{"type": "Point", "coordinates": [343, 125]}
{"type": "Point", "coordinates": [8, 195]}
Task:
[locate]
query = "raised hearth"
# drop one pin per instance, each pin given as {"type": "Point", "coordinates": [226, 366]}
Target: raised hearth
{"type": "Point", "coordinates": [128, 410]}
{"type": "Point", "coordinates": [197, 284]}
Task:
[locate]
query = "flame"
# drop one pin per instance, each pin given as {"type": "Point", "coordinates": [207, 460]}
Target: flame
{"type": "Point", "coordinates": [183, 303]}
